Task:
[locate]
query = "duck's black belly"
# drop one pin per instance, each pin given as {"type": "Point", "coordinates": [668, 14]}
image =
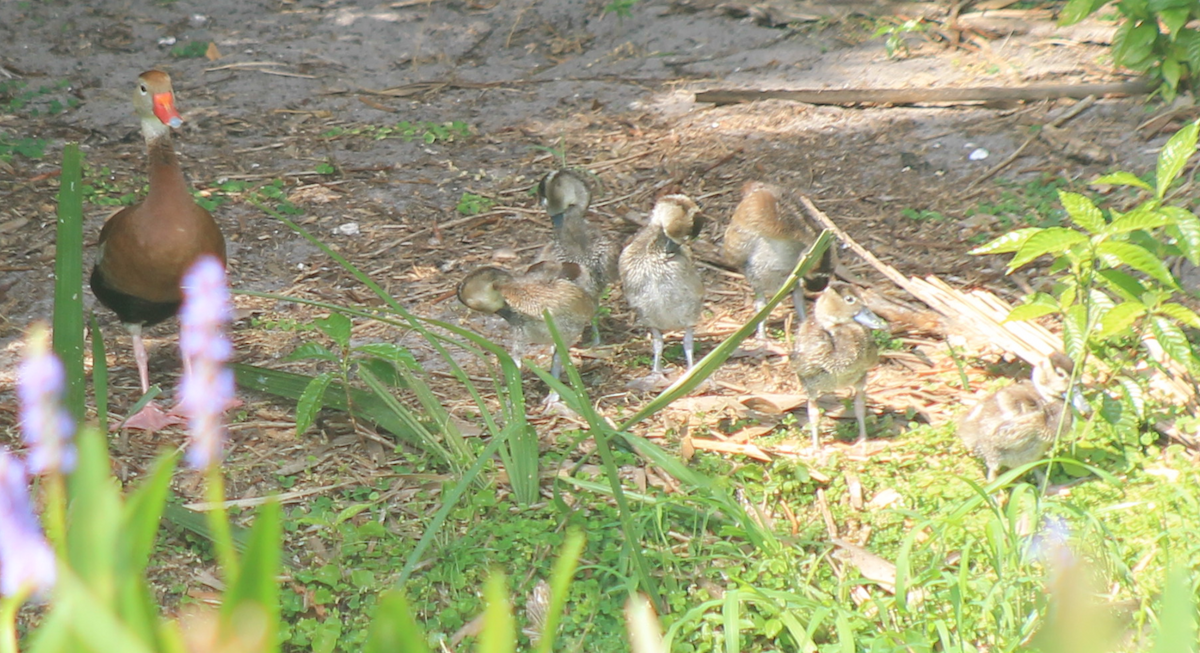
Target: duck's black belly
{"type": "Point", "coordinates": [130, 309]}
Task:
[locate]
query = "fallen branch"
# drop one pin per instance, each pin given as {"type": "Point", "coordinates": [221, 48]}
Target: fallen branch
{"type": "Point", "coordinates": [902, 96]}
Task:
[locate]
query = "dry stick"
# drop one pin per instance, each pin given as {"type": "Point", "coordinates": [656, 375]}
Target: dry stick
{"type": "Point", "coordinates": [923, 95]}
{"type": "Point", "coordinates": [1079, 108]}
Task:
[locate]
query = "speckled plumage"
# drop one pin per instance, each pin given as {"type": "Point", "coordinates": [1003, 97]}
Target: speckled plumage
{"type": "Point", "coordinates": [522, 300]}
{"type": "Point", "coordinates": [566, 196]}
{"type": "Point", "coordinates": [1016, 425]}
{"type": "Point", "coordinates": [834, 349]}
{"type": "Point", "coordinates": [766, 243]}
{"type": "Point", "coordinates": [658, 276]}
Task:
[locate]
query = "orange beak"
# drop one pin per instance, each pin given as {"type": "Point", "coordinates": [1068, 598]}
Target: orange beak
{"type": "Point", "coordinates": [164, 108]}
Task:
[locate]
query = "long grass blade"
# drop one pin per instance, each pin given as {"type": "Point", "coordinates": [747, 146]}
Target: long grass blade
{"type": "Point", "coordinates": [68, 280]}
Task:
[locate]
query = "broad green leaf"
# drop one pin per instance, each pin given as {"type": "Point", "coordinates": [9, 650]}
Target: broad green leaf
{"type": "Point", "coordinates": [311, 401]}
{"type": "Point", "coordinates": [1181, 314]}
{"type": "Point", "coordinates": [1172, 70]}
{"type": "Point", "coordinates": [1075, 331]}
{"type": "Point", "coordinates": [93, 514]}
{"type": "Point", "coordinates": [499, 628]}
{"type": "Point", "coordinates": [68, 281]}
{"type": "Point", "coordinates": [1077, 10]}
{"type": "Point", "coordinates": [312, 351]}
{"type": "Point", "coordinates": [1053, 240]}
{"type": "Point", "coordinates": [337, 327]}
{"type": "Point", "coordinates": [1009, 242]}
{"type": "Point", "coordinates": [1030, 312]}
{"type": "Point", "coordinates": [1135, 396]}
{"type": "Point", "coordinates": [1120, 318]}
{"type": "Point", "coordinates": [1133, 44]}
{"type": "Point", "coordinates": [1177, 616]}
{"type": "Point", "coordinates": [1117, 253]}
{"type": "Point", "coordinates": [1171, 337]}
{"type": "Point", "coordinates": [1139, 219]}
{"type": "Point", "coordinates": [1122, 283]}
{"type": "Point", "coordinates": [389, 351]}
{"type": "Point", "coordinates": [1082, 211]}
{"type": "Point", "coordinates": [1189, 230]}
{"type": "Point", "coordinates": [142, 513]}
{"type": "Point", "coordinates": [393, 627]}
{"type": "Point", "coordinates": [1173, 157]}
{"type": "Point", "coordinates": [254, 595]}
{"type": "Point", "coordinates": [730, 621]}
{"type": "Point", "coordinates": [1122, 178]}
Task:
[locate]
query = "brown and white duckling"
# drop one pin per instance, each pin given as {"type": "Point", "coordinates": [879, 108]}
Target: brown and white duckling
{"type": "Point", "coordinates": [658, 276]}
{"type": "Point", "coordinates": [834, 349]}
{"type": "Point", "coordinates": [1017, 424]}
{"type": "Point", "coordinates": [766, 243]}
{"type": "Point", "coordinates": [565, 195]}
{"type": "Point", "coordinates": [522, 301]}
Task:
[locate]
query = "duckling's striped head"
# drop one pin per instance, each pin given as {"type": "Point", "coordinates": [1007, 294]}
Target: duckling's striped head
{"type": "Point", "coordinates": [480, 290]}
{"type": "Point", "coordinates": [678, 216]}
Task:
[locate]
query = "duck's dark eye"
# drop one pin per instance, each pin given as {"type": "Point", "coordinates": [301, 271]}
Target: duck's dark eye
{"type": "Point", "coordinates": [142, 88]}
{"type": "Point", "coordinates": [851, 299]}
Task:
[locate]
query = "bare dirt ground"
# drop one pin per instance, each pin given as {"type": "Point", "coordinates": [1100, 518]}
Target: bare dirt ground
{"type": "Point", "coordinates": [303, 85]}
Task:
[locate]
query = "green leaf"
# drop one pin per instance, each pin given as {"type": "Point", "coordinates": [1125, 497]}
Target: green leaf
{"type": "Point", "coordinates": [1174, 157]}
{"type": "Point", "coordinates": [1177, 616]}
{"type": "Point", "coordinates": [1009, 242]}
{"type": "Point", "coordinates": [1120, 318]}
{"type": "Point", "coordinates": [1075, 331]}
{"type": "Point", "coordinates": [390, 352]}
{"type": "Point", "coordinates": [94, 503]}
{"type": "Point", "coordinates": [1181, 314]}
{"type": "Point", "coordinates": [1175, 18]}
{"type": "Point", "coordinates": [1030, 312]}
{"type": "Point", "coordinates": [252, 600]}
{"type": "Point", "coordinates": [312, 351]}
{"type": "Point", "coordinates": [1171, 337]}
{"type": "Point", "coordinates": [68, 281]}
{"type": "Point", "coordinates": [1077, 10]}
{"type": "Point", "coordinates": [311, 401]}
{"type": "Point", "coordinates": [1189, 231]}
{"type": "Point", "coordinates": [1082, 211]}
{"type": "Point", "coordinates": [1189, 40]}
{"type": "Point", "coordinates": [1117, 253]}
{"type": "Point", "coordinates": [337, 327]}
{"type": "Point", "coordinates": [1172, 71]}
{"type": "Point", "coordinates": [560, 586]}
{"type": "Point", "coordinates": [1121, 178]}
{"type": "Point", "coordinates": [1053, 240]}
{"type": "Point", "coordinates": [393, 627]}
{"type": "Point", "coordinates": [1133, 44]}
{"type": "Point", "coordinates": [1138, 219]}
{"type": "Point", "coordinates": [1122, 283]}
{"type": "Point", "coordinates": [499, 628]}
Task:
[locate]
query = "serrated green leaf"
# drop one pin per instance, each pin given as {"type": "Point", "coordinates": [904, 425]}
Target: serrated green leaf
{"type": "Point", "coordinates": [1075, 331]}
{"type": "Point", "coordinates": [1135, 396]}
{"type": "Point", "coordinates": [311, 401]}
{"type": "Point", "coordinates": [1189, 40]}
{"type": "Point", "coordinates": [390, 352]}
{"type": "Point", "coordinates": [1173, 342]}
{"type": "Point", "coordinates": [1053, 240]}
{"type": "Point", "coordinates": [1122, 283]}
{"type": "Point", "coordinates": [1173, 157]}
{"type": "Point", "coordinates": [311, 351]}
{"type": "Point", "coordinates": [1119, 319]}
{"type": "Point", "coordinates": [337, 327]}
{"type": "Point", "coordinates": [1082, 211]}
{"type": "Point", "coordinates": [1139, 219]}
{"type": "Point", "coordinates": [1114, 253]}
{"type": "Point", "coordinates": [1029, 312]}
{"type": "Point", "coordinates": [1009, 242]}
{"type": "Point", "coordinates": [1181, 314]}
{"type": "Point", "coordinates": [1122, 178]}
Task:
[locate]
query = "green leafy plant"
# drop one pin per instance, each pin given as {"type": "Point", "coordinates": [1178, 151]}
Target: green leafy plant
{"type": "Point", "coordinates": [622, 8]}
{"type": "Point", "coordinates": [28, 147]}
{"type": "Point", "coordinates": [16, 96]}
{"type": "Point", "coordinates": [190, 50]}
{"type": "Point", "coordinates": [472, 204]}
{"type": "Point", "coordinates": [1116, 295]}
{"type": "Point", "coordinates": [895, 44]}
{"type": "Point", "coordinates": [1154, 38]}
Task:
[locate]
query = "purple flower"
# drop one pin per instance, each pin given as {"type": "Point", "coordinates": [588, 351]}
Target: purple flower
{"type": "Point", "coordinates": [207, 385]}
{"type": "Point", "coordinates": [26, 559]}
{"type": "Point", "coordinates": [46, 425]}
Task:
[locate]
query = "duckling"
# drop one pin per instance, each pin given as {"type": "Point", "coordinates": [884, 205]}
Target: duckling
{"type": "Point", "coordinates": [521, 301]}
{"type": "Point", "coordinates": [834, 349]}
{"type": "Point", "coordinates": [566, 196]}
{"type": "Point", "coordinates": [1017, 424]}
{"type": "Point", "coordinates": [659, 277]}
{"type": "Point", "coordinates": [766, 244]}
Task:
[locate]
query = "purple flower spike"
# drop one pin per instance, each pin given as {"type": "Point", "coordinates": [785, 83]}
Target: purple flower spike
{"type": "Point", "coordinates": [207, 385]}
{"type": "Point", "coordinates": [46, 425]}
{"type": "Point", "coordinates": [26, 559]}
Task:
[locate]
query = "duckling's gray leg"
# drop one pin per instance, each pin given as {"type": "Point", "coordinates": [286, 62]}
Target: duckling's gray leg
{"type": "Point", "coordinates": [689, 348]}
{"type": "Point", "coordinates": [860, 409]}
{"type": "Point", "coordinates": [595, 330]}
{"type": "Point", "coordinates": [656, 341]}
{"type": "Point", "coordinates": [798, 300]}
{"type": "Point", "coordinates": [556, 367]}
{"type": "Point", "coordinates": [814, 418]}
{"type": "Point", "coordinates": [759, 303]}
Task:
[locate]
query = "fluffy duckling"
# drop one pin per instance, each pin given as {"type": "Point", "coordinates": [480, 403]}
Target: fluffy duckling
{"type": "Point", "coordinates": [566, 196]}
{"type": "Point", "coordinates": [1017, 424]}
{"type": "Point", "coordinates": [658, 276]}
{"type": "Point", "coordinates": [766, 243]}
{"type": "Point", "coordinates": [834, 349]}
{"type": "Point", "coordinates": [521, 301]}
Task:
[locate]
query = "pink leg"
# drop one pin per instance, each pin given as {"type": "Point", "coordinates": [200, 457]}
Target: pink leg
{"type": "Point", "coordinates": [151, 418]}
{"type": "Point", "coordinates": [139, 355]}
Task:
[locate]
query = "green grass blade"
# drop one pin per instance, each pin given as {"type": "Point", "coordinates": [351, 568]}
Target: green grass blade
{"type": "Point", "coordinates": [393, 627]}
{"type": "Point", "coordinates": [99, 373]}
{"type": "Point", "coordinates": [499, 627]}
{"type": "Point", "coordinates": [715, 358]}
{"type": "Point", "coordinates": [730, 619]}
{"type": "Point", "coordinates": [68, 280]}
{"type": "Point", "coordinates": [1177, 616]}
{"type": "Point", "coordinates": [560, 586]}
